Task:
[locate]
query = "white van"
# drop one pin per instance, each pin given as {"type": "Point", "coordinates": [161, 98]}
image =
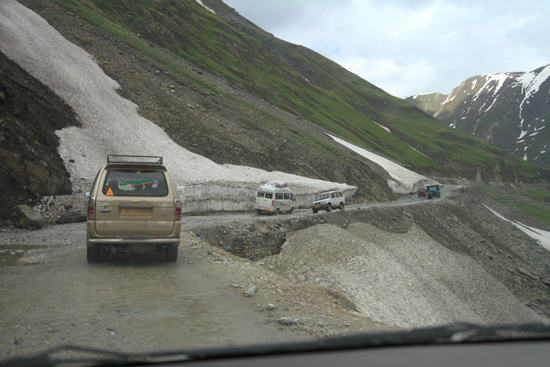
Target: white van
{"type": "Point", "coordinates": [274, 197]}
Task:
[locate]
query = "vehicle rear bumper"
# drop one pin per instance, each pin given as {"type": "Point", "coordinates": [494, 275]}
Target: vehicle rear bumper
{"type": "Point", "coordinates": [322, 206]}
{"type": "Point", "coordinates": [95, 239]}
{"type": "Point", "coordinates": [265, 209]}
{"type": "Point", "coordinates": [115, 241]}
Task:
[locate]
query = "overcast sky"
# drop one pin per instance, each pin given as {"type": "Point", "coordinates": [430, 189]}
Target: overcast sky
{"type": "Point", "coordinates": [411, 47]}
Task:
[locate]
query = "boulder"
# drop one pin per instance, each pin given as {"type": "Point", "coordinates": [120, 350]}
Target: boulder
{"type": "Point", "coordinates": [29, 218]}
{"type": "Point", "coordinates": [527, 274]}
{"type": "Point", "coordinates": [72, 217]}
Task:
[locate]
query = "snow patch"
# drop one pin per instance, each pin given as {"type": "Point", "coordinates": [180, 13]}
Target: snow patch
{"type": "Point", "coordinates": [530, 84]}
{"type": "Point", "coordinates": [490, 80]}
{"type": "Point", "coordinates": [204, 6]}
{"type": "Point", "coordinates": [532, 81]}
{"type": "Point", "coordinates": [383, 127]}
{"type": "Point", "coordinates": [448, 99]}
{"type": "Point", "coordinates": [404, 181]}
{"type": "Point", "coordinates": [543, 237]}
{"type": "Point", "coordinates": [488, 108]}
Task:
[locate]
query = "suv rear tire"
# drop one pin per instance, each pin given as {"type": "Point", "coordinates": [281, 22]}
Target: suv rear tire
{"type": "Point", "coordinates": [92, 254]}
{"type": "Point", "coordinates": [171, 253]}
{"type": "Point", "coordinates": [342, 206]}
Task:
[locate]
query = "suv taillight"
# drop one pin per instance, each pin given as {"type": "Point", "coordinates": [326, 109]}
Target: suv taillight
{"type": "Point", "coordinates": [177, 205]}
{"type": "Point", "coordinates": [91, 206]}
{"type": "Point", "coordinates": [272, 202]}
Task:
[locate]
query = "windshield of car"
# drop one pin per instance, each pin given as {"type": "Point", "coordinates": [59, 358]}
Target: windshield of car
{"type": "Point", "coordinates": [193, 115]}
{"type": "Point", "coordinates": [135, 183]}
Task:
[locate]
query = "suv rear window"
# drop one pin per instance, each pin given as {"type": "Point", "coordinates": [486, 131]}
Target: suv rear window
{"type": "Point", "coordinates": [135, 183]}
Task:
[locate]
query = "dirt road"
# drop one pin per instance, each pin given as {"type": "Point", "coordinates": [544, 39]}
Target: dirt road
{"type": "Point", "coordinates": [51, 296]}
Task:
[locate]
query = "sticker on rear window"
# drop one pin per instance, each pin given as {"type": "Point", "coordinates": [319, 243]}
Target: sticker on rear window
{"type": "Point", "coordinates": [145, 181]}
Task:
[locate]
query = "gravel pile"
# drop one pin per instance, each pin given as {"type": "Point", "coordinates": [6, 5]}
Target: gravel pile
{"type": "Point", "coordinates": [303, 307]}
{"type": "Point", "coordinates": [418, 263]}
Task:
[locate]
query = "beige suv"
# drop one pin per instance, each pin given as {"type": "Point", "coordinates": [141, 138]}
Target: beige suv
{"type": "Point", "coordinates": [133, 206]}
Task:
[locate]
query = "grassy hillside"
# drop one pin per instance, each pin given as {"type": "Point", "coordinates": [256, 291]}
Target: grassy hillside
{"type": "Point", "coordinates": [295, 79]}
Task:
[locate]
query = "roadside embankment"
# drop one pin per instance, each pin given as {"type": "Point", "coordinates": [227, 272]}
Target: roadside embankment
{"type": "Point", "coordinates": [433, 262]}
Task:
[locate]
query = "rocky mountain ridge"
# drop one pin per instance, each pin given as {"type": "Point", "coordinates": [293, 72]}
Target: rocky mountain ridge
{"type": "Point", "coordinates": [511, 110]}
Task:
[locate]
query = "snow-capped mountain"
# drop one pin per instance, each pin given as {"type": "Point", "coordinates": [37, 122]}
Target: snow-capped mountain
{"type": "Point", "coordinates": [511, 110]}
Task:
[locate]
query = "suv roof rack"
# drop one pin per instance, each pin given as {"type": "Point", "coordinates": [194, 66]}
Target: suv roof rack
{"type": "Point", "coordinates": [327, 190]}
{"type": "Point", "coordinates": [135, 159]}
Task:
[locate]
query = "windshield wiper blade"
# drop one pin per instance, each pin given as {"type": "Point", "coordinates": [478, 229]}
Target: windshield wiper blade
{"type": "Point", "coordinates": [93, 357]}
{"type": "Point", "coordinates": [451, 334]}
{"type": "Point", "coordinates": [475, 333]}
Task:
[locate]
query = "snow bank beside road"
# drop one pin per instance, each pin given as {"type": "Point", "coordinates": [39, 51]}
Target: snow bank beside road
{"type": "Point", "coordinates": [404, 181]}
{"type": "Point", "coordinates": [111, 124]}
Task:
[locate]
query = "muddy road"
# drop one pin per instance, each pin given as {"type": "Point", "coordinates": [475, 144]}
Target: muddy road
{"type": "Point", "coordinates": [51, 296]}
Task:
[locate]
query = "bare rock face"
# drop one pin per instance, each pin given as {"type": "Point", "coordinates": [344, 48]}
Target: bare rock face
{"type": "Point", "coordinates": [30, 166]}
{"type": "Point", "coordinates": [38, 177]}
{"type": "Point", "coordinates": [30, 218]}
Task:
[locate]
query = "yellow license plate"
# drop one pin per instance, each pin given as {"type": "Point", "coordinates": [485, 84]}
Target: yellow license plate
{"type": "Point", "coordinates": [136, 212]}
{"type": "Point", "coordinates": [317, 206]}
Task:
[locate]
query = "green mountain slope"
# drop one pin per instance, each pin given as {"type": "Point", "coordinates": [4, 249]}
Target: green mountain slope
{"type": "Point", "coordinates": [297, 80]}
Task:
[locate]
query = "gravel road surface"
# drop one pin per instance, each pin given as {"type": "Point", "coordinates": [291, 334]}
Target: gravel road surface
{"type": "Point", "coordinates": [51, 296]}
